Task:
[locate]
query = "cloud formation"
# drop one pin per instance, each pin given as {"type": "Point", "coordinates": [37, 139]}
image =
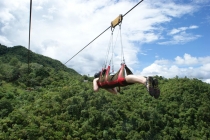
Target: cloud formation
{"type": "Point", "coordinates": [192, 67]}
{"type": "Point", "coordinates": [180, 35]}
{"type": "Point", "coordinates": [61, 28]}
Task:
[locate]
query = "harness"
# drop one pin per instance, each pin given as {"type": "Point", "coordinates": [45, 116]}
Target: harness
{"type": "Point", "coordinates": [117, 80]}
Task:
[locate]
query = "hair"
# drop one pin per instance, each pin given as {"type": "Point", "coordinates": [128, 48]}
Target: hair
{"type": "Point", "coordinates": [96, 75]}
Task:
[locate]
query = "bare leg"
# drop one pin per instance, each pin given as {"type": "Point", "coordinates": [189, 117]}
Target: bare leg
{"type": "Point", "coordinates": [136, 79]}
{"type": "Point", "coordinates": [95, 85]}
{"type": "Point", "coordinates": [148, 82]}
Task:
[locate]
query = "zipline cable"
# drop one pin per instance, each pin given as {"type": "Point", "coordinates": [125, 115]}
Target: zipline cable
{"type": "Point", "coordinates": [103, 32]}
{"type": "Point", "coordinates": [133, 7]}
{"type": "Point", "coordinates": [29, 39]}
{"type": "Point", "coordinates": [88, 44]}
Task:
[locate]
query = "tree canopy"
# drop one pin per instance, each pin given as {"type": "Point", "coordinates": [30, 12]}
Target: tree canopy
{"type": "Point", "coordinates": [60, 105]}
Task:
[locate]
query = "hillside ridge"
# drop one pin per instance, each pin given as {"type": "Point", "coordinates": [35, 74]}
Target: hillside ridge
{"type": "Point", "coordinates": [21, 53]}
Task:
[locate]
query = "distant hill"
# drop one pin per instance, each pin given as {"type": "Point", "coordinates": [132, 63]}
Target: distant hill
{"type": "Point", "coordinates": [42, 71]}
{"type": "Point", "coordinates": [21, 53]}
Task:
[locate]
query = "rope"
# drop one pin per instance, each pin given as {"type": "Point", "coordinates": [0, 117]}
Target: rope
{"type": "Point", "coordinates": [122, 52]}
{"type": "Point", "coordinates": [112, 57]}
{"type": "Point", "coordinates": [113, 47]}
{"type": "Point", "coordinates": [102, 33]}
{"type": "Point", "coordinates": [29, 42]}
{"type": "Point", "coordinates": [108, 49]}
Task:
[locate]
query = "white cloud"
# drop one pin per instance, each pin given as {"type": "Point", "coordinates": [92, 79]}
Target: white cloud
{"type": "Point", "coordinates": [61, 28]}
{"type": "Point", "coordinates": [180, 35]}
{"type": "Point", "coordinates": [4, 40]}
{"type": "Point", "coordinates": [5, 16]}
{"type": "Point", "coordinates": [192, 67]}
{"type": "Point", "coordinates": [48, 17]}
{"type": "Point", "coordinates": [193, 27]}
{"type": "Point", "coordinates": [174, 31]}
{"type": "Point", "coordinates": [182, 29]}
{"type": "Point", "coordinates": [206, 80]}
{"type": "Point", "coordinates": [181, 38]}
{"type": "Point", "coordinates": [186, 60]}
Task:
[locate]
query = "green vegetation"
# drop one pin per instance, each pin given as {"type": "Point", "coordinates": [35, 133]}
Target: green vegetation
{"type": "Point", "coordinates": [60, 105]}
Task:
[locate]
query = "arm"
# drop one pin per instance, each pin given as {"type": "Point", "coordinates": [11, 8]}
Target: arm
{"type": "Point", "coordinates": [95, 85]}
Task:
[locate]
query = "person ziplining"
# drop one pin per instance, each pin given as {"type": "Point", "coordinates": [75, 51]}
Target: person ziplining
{"type": "Point", "coordinates": [124, 76]}
{"type": "Point", "coordinates": [103, 79]}
{"type": "Point", "coordinates": [110, 83]}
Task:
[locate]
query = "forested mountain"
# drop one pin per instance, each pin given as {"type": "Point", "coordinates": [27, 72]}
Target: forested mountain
{"type": "Point", "coordinates": [40, 71]}
{"type": "Point", "coordinates": [20, 53]}
{"type": "Point", "coordinates": [61, 106]}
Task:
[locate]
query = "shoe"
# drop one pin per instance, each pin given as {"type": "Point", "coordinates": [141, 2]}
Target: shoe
{"type": "Point", "coordinates": [149, 85]}
{"type": "Point", "coordinates": [156, 89]}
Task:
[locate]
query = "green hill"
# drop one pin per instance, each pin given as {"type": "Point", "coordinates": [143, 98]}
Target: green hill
{"type": "Point", "coordinates": [61, 106]}
{"type": "Point", "coordinates": [21, 53]}
{"type": "Point", "coordinates": [41, 71]}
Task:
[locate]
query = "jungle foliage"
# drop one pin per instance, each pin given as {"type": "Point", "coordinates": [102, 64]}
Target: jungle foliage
{"type": "Point", "coordinates": [53, 102]}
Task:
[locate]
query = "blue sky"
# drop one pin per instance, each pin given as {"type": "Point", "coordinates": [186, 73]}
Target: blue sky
{"type": "Point", "coordinates": [167, 38]}
{"type": "Point", "coordinates": [199, 46]}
